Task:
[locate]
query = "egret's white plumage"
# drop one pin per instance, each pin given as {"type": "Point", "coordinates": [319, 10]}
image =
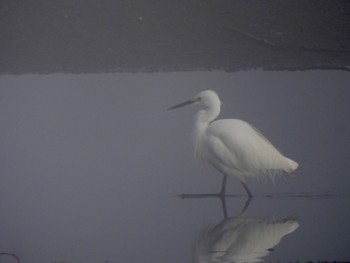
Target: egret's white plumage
{"type": "Point", "coordinates": [232, 146]}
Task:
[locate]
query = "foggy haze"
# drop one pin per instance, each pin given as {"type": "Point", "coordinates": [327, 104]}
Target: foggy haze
{"type": "Point", "coordinates": [91, 164]}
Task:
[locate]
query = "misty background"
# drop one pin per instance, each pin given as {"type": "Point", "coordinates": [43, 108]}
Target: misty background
{"type": "Point", "coordinates": [89, 36]}
{"type": "Point", "coordinates": [91, 164]}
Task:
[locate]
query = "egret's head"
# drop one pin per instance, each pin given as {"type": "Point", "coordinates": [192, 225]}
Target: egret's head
{"type": "Point", "coordinates": [207, 99]}
{"type": "Point", "coordinates": [204, 99]}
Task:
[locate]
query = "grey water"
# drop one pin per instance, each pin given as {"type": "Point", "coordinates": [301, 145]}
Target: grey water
{"type": "Point", "coordinates": [92, 167]}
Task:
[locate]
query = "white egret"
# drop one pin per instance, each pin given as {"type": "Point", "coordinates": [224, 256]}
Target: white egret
{"type": "Point", "coordinates": [232, 146]}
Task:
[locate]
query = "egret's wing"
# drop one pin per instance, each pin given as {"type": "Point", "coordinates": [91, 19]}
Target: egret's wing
{"type": "Point", "coordinates": [238, 146]}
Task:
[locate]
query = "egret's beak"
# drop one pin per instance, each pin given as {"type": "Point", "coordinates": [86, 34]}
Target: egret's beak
{"type": "Point", "coordinates": [184, 104]}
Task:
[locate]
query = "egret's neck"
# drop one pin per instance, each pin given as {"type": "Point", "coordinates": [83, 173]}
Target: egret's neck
{"type": "Point", "coordinates": [202, 119]}
{"type": "Point", "coordinates": [207, 115]}
{"type": "Point", "coordinates": [201, 122]}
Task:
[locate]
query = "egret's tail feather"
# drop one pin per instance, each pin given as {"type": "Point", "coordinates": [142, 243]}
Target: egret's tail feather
{"type": "Point", "coordinates": [292, 165]}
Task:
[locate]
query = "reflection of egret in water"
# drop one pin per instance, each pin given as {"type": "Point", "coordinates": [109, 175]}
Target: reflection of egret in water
{"type": "Point", "coordinates": [241, 239]}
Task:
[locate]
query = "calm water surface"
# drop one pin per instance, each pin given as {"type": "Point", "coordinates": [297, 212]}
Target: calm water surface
{"type": "Point", "coordinates": [92, 166]}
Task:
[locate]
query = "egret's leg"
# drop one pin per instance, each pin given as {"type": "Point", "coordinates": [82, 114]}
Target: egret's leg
{"type": "Point", "coordinates": [223, 187]}
{"type": "Point", "coordinates": [247, 190]}
{"type": "Point", "coordinates": [223, 204]}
